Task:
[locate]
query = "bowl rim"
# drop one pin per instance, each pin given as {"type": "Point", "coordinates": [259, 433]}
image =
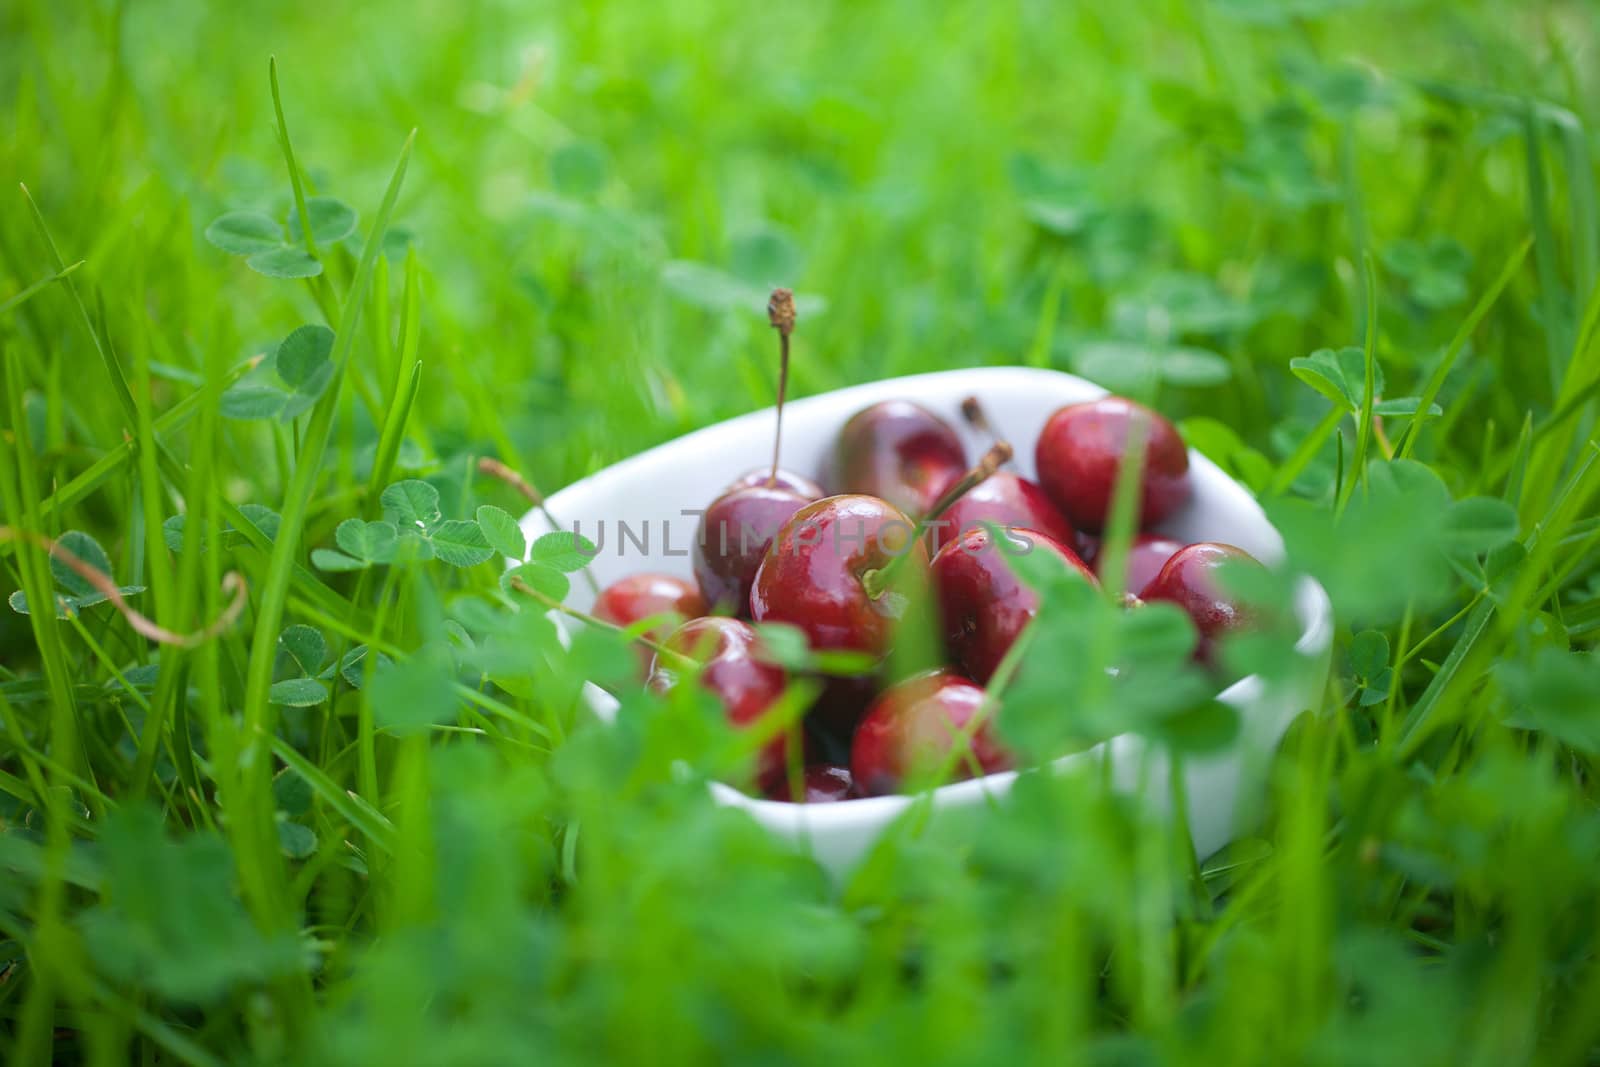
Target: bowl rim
{"type": "Point", "coordinates": [1311, 604]}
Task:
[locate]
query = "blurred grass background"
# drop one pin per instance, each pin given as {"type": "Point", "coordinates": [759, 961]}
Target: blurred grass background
{"type": "Point", "coordinates": [984, 184]}
{"type": "Point", "coordinates": [1175, 197]}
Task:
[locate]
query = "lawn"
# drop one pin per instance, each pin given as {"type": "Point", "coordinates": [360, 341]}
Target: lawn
{"type": "Point", "coordinates": [302, 792]}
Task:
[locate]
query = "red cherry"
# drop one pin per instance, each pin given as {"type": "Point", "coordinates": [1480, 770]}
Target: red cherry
{"type": "Point", "coordinates": [901, 452]}
{"type": "Point", "coordinates": [733, 536]}
{"type": "Point", "coordinates": [982, 603]}
{"type": "Point", "coordinates": [824, 783]}
{"type": "Point", "coordinates": [1008, 500]}
{"type": "Point", "coordinates": [1080, 450]}
{"type": "Point", "coordinates": [842, 702]}
{"type": "Point", "coordinates": [1189, 580]}
{"type": "Point", "coordinates": [734, 671]}
{"type": "Point", "coordinates": [913, 728]}
{"type": "Point", "coordinates": [814, 573]}
{"type": "Point", "coordinates": [795, 483]}
{"type": "Point", "coordinates": [641, 596]}
{"type": "Point", "coordinates": [1146, 556]}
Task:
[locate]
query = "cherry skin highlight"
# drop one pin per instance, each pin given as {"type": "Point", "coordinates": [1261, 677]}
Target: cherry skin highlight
{"type": "Point", "coordinates": [1189, 580]}
{"type": "Point", "coordinates": [901, 452]}
{"type": "Point", "coordinates": [1007, 500]}
{"type": "Point", "coordinates": [733, 536]}
{"type": "Point", "coordinates": [982, 603]}
{"type": "Point", "coordinates": [1080, 450]}
{"type": "Point", "coordinates": [823, 783]}
{"type": "Point", "coordinates": [912, 729]}
{"type": "Point", "coordinates": [734, 671]}
{"type": "Point", "coordinates": [813, 574]}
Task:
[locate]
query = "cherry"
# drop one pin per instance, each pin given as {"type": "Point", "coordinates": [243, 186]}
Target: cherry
{"type": "Point", "coordinates": [982, 603]}
{"type": "Point", "coordinates": [901, 452]}
{"type": "Point", "coordinates": [1080, 450]}
{"type": "Point", "coordinates": [840, 705]}
{"type": "Point", "coordinates": [1189, 580]}
{"type": "Point", "coordinates": [1007, 500]}
{"type": "Point", "coordinates": [823, 783]}
{"type": "Point", "coordinates": [816, 572]}
{"type": "Point", "coordinates": [734, 534]}
{"type": "Point", "coordinates": [1089, 550]}
{"type": "Point", "coordinates": [913, 728]}
{"type": "Point", "coordinates": [735, 672]}
{"type": "Point", "coordinates": [641, 596]}
{"type": "Point", "coordinates": [1146, 556]}
{"type": "Point", "coordinates": [830, 571]}
{"type": "Point", "coordinates": [739, 525]}
{"type": "Point", "coordinates": [782, 479]}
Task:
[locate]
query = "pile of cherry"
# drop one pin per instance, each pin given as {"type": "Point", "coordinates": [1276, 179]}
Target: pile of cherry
{"type": "Point", "coordinates": [775, 547]}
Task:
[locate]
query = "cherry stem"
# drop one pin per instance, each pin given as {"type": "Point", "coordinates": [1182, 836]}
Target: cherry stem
{"type": "Point", "coordinates": [877, 581]}
{"type": "Point", "coordinates": [780, 312]}
{"type": "Point", "coordinates": [977, 418]}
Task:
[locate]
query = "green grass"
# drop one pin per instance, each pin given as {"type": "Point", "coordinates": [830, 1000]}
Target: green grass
{"type": "Point", "coordinates": [364, 822]}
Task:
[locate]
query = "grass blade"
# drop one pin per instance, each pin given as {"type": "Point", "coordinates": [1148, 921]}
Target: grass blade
{"type": "Point", "coordinates": [43, 283]}
{"type": "Point", "coordinates": [1469, 326]}
{"type": "Point", "coordinates": [351, 808]}
{"type": "Point", "coordinates": [406, 385]}
{"type": "Point", "coordinates": [295, 182]}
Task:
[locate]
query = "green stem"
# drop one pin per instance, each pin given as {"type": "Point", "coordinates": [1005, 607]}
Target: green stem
{"type": "Point", "coordinates": [1358, 465]}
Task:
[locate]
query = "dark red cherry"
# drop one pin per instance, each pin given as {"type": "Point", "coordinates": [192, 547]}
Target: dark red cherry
{"type": "Point", "coordinates": [1088, 546]}
{"type": "Point", "coordinates": [733, 536]}
{"type": "Point", "coordinates": [795, 483]}
{"type": "Point", "coordinates": [1146, 556]}
{"type": "Point", "coordinates": [1007, 500]}
{"type": "Point", "coordinates": [642, 596]}
{"type": "Point", "coordinates": [842, 702]}
{"type": "Point", "coordinates": [1189, 580]}
{"type": "Point", "coordinates": [1080, 450]}
{"type": "Point", "coordinates": [901, 452]}
{"type": "Point", "coordinates": [913, 727]}
{"type": "Point", "coordinates": [735, 672]}
{"type": "Point", "coordinates": [824, 783]}
{"type": "Point", "coordinates": [815, 573]}
{"type": "Point", "coordinates": [982, 603]}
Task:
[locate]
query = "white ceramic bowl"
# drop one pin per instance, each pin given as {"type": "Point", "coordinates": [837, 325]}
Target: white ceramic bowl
{"type": "Point", "coordinates": [652, 491]}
